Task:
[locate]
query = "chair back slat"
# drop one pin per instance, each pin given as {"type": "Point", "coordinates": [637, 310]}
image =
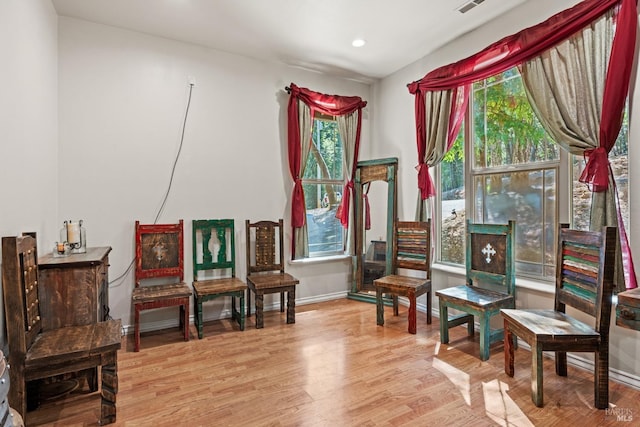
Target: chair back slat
{"type": "Point", "coordinates": [584, 258]}
{"type": "Point", "coordinates": [267, 251]}
{"type": "Point", "coordinates": [489, 256]}
{"type": "Point", "coordinates": [412, 247]}
{"type": "Point", "coordinates": [213, 247]}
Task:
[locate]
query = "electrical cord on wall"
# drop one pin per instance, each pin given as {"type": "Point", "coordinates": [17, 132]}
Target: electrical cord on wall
{"type": "Point", "coordinates": [166, 195]}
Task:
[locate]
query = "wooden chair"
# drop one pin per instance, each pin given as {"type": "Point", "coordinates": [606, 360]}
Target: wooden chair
{"type": "Point", "coordinates": [160, 255]}
{"type": "Point", "coordinates": [34, 353]}
{"type": "Point", "coordinates": [265, 268]}
{"type": "Point", "coordinates": [584, 281]}
{"type": "Point", "coordinates": [411, 250]}
{"type": "Point", "coordinates": [209, 287]}
{"type": "Point", "coordinates": [490, 283]}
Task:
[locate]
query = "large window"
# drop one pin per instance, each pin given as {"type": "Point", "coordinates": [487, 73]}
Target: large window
{"type": "Point", "coordinates": [515, 172]}
{"type": "Point", "coordinates": [322, 182]}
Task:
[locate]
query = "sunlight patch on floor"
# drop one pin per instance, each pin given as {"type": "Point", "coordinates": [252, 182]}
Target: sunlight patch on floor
{"type": "Point", "coordinates": [459, 378]}
{"type": "Point", "coordinates": [500, 407]}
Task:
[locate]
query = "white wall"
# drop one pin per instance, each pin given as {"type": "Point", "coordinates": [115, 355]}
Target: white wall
{"type": "Point", "coordinates": [122, 102]}
{"type": "Point", "coordinates": [28, 120]}
{"type": "Point", "coordinates": [393, 132]}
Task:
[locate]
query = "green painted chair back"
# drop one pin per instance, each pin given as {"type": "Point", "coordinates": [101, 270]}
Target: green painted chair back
{"type": "Point", "coordinates": [214, 248]}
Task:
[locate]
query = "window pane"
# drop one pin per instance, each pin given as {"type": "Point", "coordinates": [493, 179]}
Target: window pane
{"type": "Point", "coordinates": [325, 230]}
{"type": "Point", "coordinates": [529, 198]}
{"type": "Point", "coordinates": [506, 130]}
{"type": "Point", "coordinates": [325, 156]}
{"type": "Point", "coordinates": [452, 205]}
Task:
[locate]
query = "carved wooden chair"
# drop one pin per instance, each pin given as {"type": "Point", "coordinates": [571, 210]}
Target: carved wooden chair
{"type": "Point", "coordinates": [160, 264]}
{"type": "Point", "coordinates": [211, 277]}
{"type": "Point", "coordinates": [490, 283]}
{"type": "Point", "coordinates": [584, 281]}
{"type": "Point", "coordinates": [411, 250]}
{"type": "Point", "coordinates": [35, 353]}
{"type": "Point", "coordinates": [265, 268]}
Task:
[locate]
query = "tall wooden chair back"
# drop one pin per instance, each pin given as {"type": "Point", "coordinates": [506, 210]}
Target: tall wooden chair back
{"type": "Point", "coordinates": [159, 264]}
{"type": "Point", "coordinates": [412, 251]}
{"type": "Point", "coordinates": [265, 268]}
{"type": "Point", "coordinates": [584, 280]}
{"type": "Point", "coordinates": [490, 283]}
{"type": "Point", "coordinates": [34, 353]}
{"type": "Point", "coordinates": [214, 268]}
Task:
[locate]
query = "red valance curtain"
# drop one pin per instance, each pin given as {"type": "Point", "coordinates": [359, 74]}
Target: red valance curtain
{"type": "Point", "coordinates": [334, 105]}
{"type": "Point", "coordinates": [513, 50]}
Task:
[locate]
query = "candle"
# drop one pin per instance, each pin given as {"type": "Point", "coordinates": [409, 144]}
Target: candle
{"type": "Point", "coordinates": [73, 232]}
{"type": "Point", "coordinates": [60, 247]}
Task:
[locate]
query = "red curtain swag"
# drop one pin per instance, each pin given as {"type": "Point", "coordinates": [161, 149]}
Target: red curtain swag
{"type": "Point", "coordinates": [520, 47]}
{"type": "Point", "coordinates": [334, 105]}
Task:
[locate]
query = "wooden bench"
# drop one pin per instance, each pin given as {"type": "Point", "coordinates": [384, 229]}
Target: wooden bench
{"type": "Point", "coordinates": [35, 353]}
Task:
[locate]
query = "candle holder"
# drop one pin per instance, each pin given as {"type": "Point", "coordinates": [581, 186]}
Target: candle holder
{"type": "Point", "coordinates": [74, 236]}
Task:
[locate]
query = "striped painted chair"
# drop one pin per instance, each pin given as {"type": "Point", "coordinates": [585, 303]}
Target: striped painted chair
{"type": "Point", "coordinates": [584, 281]}
{"type": "Point", "coordinates": [411, 250]}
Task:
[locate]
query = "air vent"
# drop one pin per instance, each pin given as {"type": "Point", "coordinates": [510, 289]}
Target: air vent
{"type": "Point", "coordinates": [464, 8]}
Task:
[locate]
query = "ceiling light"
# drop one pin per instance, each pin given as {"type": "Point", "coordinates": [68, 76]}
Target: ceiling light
{"type": "Point", "coordinates": [358, 43]}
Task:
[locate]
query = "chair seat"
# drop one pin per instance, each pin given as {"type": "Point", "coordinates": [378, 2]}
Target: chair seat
{"type": "Point", "coordinates": [271, 281]}
{"type": "Point", "coordinates": [58, 346]}
{"type": "Point", "coordinates": [218, 286]}
{"type": "Point", "coordinates": [401, 285]}
{"type": "Point", "coordinates": [153, 293]}
{"type": "Point", "coordinates": [479, 298]}
{"type": "Point", "coordinates": [548, 325]}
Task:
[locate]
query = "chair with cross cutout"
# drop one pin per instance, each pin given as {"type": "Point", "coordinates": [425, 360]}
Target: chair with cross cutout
{"type": "Point", "coordinates": [490, 283]}
{"type": "Point", "coordinates": [584, 281]}
{"type": "Point", "coordinates": [159, 273]}
{"type": "Point", "coordinates": [214, 268]}
{"type": "Point", "coordinates": [411, 250]}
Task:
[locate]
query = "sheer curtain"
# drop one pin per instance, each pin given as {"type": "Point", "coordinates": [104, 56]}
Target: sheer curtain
{"type": "Point", "coordinates": [526, 46]}
{"type": "Point", "coordinates": [348, 112]}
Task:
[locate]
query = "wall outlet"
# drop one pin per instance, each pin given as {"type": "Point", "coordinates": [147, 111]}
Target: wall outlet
{"type": "Point", "coordinates": [191, 80]}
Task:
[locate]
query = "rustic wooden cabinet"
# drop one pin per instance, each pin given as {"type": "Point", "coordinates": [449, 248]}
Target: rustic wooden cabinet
{"type": "Point", "coordinates": [74, 289]}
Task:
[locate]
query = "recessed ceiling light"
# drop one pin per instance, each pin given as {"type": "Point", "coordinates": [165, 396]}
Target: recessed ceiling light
{"type": "Point", "coordinates": [358, 43]}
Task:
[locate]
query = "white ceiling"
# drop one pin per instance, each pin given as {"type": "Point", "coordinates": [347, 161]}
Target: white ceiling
{"type": "Point", "coordinates": [312, 34]}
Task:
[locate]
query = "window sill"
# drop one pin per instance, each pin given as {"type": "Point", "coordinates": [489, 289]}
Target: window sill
{"type": "Point", "coordinates": [319, 260]}
{"type": "Point", "coordinates": [521, 282]}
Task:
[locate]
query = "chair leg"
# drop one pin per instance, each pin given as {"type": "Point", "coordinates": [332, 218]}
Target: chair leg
{"type": "Point", "coordinates": [259, 313]}
{"type": "Point", "coordinates": [394, 298]}
{"type": "Point", "coordinates": [248, 302]}
{"type": "Point", "coordinates": [536, 375]}
{"type": "Point", "coordinates": [185, 319]}
{"type": "Point", "coordinates": [379, 307]}
{"type": "Point", "coordinates": [444, 323]}
{"type": "Point", "coordinates": [291, 305]}
{"type": "Point", "coordinates": [197, 306]}
{"type": "Point", "coordinates": [242, 312]}
{"type": "Point", "coordinates": [136, 329]}
{"type": "Point", "coordinates": [485, 336]}
{"type": "Point", "coordinates": [429, 308]}
{"type": "Point", "coordinates": [282, 301]}
{"type": "Point", "coordinates": [601, 378]}
{"type": "Point", "coordinates": [412, 313]}
{"type": "Point", "coordinates": [561, 363]}
{"type": "Point", "coordinates": [509, 366]}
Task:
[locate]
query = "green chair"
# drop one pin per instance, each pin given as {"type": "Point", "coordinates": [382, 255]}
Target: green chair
{"type": "Point", "coordinates": [490, 283]}
{"type": "Point", "coordinates": [211, 277]}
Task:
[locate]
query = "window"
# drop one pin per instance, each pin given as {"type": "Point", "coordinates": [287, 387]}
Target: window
{"type": "Point", "coordinates": [322, 182]}
{"type": "Point", "coordinates": [514, 172]}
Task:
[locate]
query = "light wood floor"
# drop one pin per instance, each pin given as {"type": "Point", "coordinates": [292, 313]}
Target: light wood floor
{"type": "Point", "coordinates": [334, 367]}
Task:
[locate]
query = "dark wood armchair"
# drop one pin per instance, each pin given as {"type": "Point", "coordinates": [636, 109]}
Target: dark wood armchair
{"type": "Point", "coordinates": [160, 255]}
{"type": "Point", "coordinates": [490, 265]}
{"type": "Point", "coordinates": [35, 353]}
{"type": "Point", "coordinates": [411, 250]}
{"type": "Point", "coordinates": [584, 281]}
{"type": "Point", "coordinates": [215, 277]}
{"type": "Point", "coordinates": [265, 268]}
